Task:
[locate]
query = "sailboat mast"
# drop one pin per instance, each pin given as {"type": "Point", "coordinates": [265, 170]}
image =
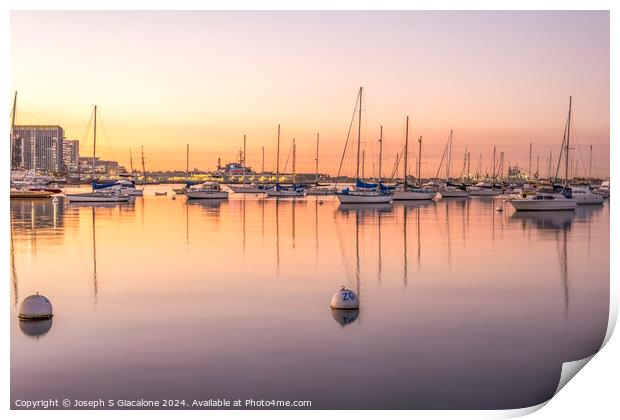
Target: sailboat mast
{"type": "Point", "coordinates": [529, 168]}
{"type": "Point", "coordinates": [244, 164]}
{"type": "Point", "coordinates": [419, 158]}
{"type": "Point", "coordinates": [262, 165]}
{"type": "Point", "coordinates": [294, 157]}
{"type": "Point", "coordinates": [380, 153]}
{"type": "Point", "coordinates": [406, 160]}
{"type": "Point", "coordinates": [143, 167]}
{"type": "Point", "coordinates": [590, 168]}
{"type": "Point", "coordinates": [570, 107]}
{"type": "Point", "coordinates": [278, 157]}
{"type": "Point", "coordinates": [317, 160]}
{"type": "Point", "coordinates": [359, 133]}
{"type": "Point", "coordinates": [187, 163]}
{"type": "Point", "coordinates": [363, 162]}
{"type": "Point", "coordinates": [13, 125]}
{"type": "Point", "coordinates": [449, 157]}
{"type": "Point", "coordinates": [94, 146]}
{"type": "Point", "coordinates": [130, 161]}
{"type": "Point", "coordinates": [493, 174]}
{"type": "Point", "coordinates": [468, 165]}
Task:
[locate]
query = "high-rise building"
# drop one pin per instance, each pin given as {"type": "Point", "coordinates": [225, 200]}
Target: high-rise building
{"type": "Point", "coordinates": [71, 152]}
{"type": "Point", "coordinates": [38, 147]}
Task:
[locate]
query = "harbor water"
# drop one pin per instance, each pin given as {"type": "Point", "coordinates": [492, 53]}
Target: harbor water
{"type": "Point", "coordinates": [461, 306]}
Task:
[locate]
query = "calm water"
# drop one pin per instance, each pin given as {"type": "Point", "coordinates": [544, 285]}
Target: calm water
{"type": "Point", "coordinates": [461, 306]}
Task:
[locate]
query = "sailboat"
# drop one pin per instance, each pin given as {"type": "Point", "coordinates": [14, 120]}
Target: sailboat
{"type": "Point", "coordinates": [363, 192]}
{"type": "Point", "coordinates": [448, 188]}
{"type": "Point", "coordinates": [280, 190]}
{"type": "Point", "coordinates": [407, 192]}
{"type": "Point", "coordinates": [245, 187]}
{"type": "Point", "coordinates": [97, 196]}
{"type": "Point", "coordinates": [558, 198]}
{"type": "Point", "coordinates": [183, 189]}
{"type": "Point", "coordinates": [316, 189]}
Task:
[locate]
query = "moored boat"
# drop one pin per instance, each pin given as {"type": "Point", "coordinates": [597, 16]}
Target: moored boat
{"type": "Point", "coordinates": [545, 200]}
{"type": "Point", "coordinates": [484, 189]}
{"type": "Point", "coordinates": [207, 190]}
{"type": "Point", "coordinates": [584, 195]}
{"type": "Point", "coordinates": [23, 193]}
{"type": "Point", "coordinates": [105, 195]}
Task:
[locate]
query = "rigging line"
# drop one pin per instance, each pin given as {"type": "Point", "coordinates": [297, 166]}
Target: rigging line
{"type": "Point", "coordinates": [557, 170]}
{"type": "Point", "coordinates": [105, 134]}
{"type": "Point", "coordinates": [580, 156]}
{"type": "Point", "coordinates": [445, 150]}
{"type": "Point", "coordinates": [346, 144]}
{"type": "Point", "coordinates": [287, 158]}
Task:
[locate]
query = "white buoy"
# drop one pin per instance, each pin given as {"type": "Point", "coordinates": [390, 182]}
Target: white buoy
{"type": "Point", "coordinates": [345, 299]}
{"type": "Point", "coordinates": [35, 307]}
{"type": "Point", "coordinates": [55, 199]}
{"type": "Point", "coordinates": [499, 209]}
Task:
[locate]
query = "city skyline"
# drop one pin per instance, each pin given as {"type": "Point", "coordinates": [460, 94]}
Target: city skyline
{"type": "Point", "coordinates": [165, 79]}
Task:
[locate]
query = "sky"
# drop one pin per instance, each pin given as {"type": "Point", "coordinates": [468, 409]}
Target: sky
{"type": "Point", "coordinates": [166, 79]}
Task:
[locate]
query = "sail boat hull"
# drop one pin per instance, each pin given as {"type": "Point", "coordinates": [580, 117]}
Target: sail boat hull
{"type": "Point", "coordinates": [413, 195]}
{"type": "Point", "coordinates": [285, 193]}
{"type": "Point", "coordinates": [97, 198]}
{"type": "Point", "coordinates": [207, 195]}
{"type": "Point", "coordinates": [245, 189]}
{"type": "Point", "coordinates": [453, 193]}
{"type": "Point", "coordinates": [352, 198]}
{"type": "Point", "coordinates": [543, 205]}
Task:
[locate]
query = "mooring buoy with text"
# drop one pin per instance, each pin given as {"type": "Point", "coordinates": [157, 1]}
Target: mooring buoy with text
{"type": "Point", "coordinates": [345, 299]}
{"type": "Point", "coordinates": [35, 307]}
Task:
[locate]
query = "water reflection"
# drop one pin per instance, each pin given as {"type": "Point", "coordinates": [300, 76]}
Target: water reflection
{"type": "Point", "coordinates": [35, 329]}
{"type": "Point", "coordinates": [464, 307]}
{"type": "Point", "coordinates": [345, 317]}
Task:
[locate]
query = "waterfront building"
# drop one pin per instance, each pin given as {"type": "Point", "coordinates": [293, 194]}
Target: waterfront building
{"type": "Point", "coordinates": [71, 152]}
{"type": "Point", "coordinates": [38, 147]}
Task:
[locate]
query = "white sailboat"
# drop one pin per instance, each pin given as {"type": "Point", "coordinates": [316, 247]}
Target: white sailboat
{"type": "Point", "coordinates": [316, 189]}
{"type": "Point", "coordinates": [407, 192]}
{"type": "Point", "coordinates": [560, 197]}
{"type": "Point", "coordinates": [362, 192]}
{"type": "Point", "coordinates": [280, 190]}
{"type": "Point", "coordinates": [448, 189]}
{"type": "Point", "coordinates": [484, 189]}
{"type": "Point", "coordinates": [101, 196]}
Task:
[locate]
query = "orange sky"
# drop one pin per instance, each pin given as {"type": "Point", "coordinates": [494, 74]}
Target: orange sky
{"type": "Point", "coordinates": [164, 79]}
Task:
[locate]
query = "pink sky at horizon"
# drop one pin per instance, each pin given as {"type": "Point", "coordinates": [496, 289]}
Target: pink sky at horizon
{"type": "Point", "coordinates": [164, 79]}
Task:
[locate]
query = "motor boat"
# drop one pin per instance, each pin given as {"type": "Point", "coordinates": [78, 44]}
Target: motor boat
{"type": "Point", "coordinates": [558, 198]}
{"type": "Point", "coordinates": [582, 194]}
{"type": "Point", "coordinates": [27, 193]}
{"type": "Point", "coordinates": [603, 189]}
{"type": "Point", "coordinates": [206, 190]}
{"type": "Point", "coordinates": [484, 189]}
